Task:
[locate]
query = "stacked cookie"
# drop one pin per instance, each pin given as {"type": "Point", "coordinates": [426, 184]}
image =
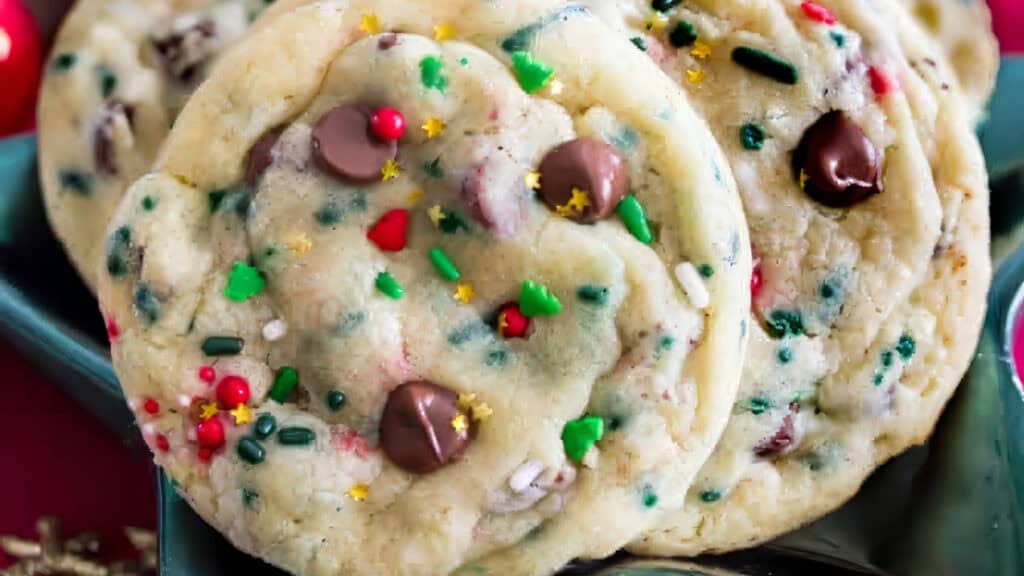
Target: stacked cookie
{"type": "Point", "coordinates": [417, 287]}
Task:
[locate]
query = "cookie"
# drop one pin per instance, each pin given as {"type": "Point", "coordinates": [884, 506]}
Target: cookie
{"type": "Point", "coordinates": [390, 302]}
{"type": "Point", "coordinates": [117, 75]}
{"type": "Point", "coordinates": [865, 193]}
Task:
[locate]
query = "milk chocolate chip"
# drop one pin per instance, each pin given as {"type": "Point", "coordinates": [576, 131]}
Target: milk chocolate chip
{"type": "Point", "coordinates": [837, 163]}
{"type": "Point", "coordinates": [590, 167]}
{"type": "Point", "coordinates": [344, 145]}
{"type": "Point", "coordinates": [422, 429]}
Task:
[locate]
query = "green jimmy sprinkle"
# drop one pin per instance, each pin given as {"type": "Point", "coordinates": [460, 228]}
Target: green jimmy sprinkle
{"type": "Point", "coordinates": [149, 203]}
{"type": "Point", "coordinates": [648, 497]}
{"type": "Point", "coordinates": [709, 496]}
{"type": "Point", "coordinates": [443, 264]}
{"type": "Point", "coordinates": [244, 282]}
{"type": "Point", "coordinates": [906, 347]}
{"type": "Point", "coordinates": [752, 136]}
{"type": "Point", "coordinates": [76, 181]}
{"type": "Point", "coordinates": [758, 405]}
{"type": "Point", "coordinates": [664, 5]}
{"type": "Point", "coordinates": [431, 73]}
{"type": "Point", "coordinates": [390, 287]}
{"type": "Point", "coordinates": [146, 303]}
{"type": "Point", "coordinates": [632, 214]}
{"type": "Point", "coordinates": [250, 451]}
{"type": "Point", "coordinates": [335, 400]}
{"type": "Point", "coordinates": [592, 294]}
{"type": "Point", "coordinates": [706, 270]}
{"type": "Point", "coordinates": [537, 300]}
{"type": "Point", "coordinates": [64, 62]}
{"type": "Point", "coordinates": [284, 383]}
{"type": "Point", "coordinates": [265, 425]}
{"type": "Point", "coordinates": [766, 64]}
{"type": "Point", "coordinates": [222, 346]}
{"type": "Point", "coordinates": [107, 80]}
{"type": "Point", "coordinates": [639, 43]}
{"type": "Point", "coordinates": [531, 73]}
{"type": "Point", "coordinates": [579, 435]}
{"type": "Point", "coordinates": [296, 436]}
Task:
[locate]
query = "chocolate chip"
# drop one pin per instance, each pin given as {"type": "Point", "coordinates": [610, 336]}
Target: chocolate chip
{"type": "Point", "coordinates": [260, 157]}
{"type": "Point", "coordinates": [343, 144]}
{"type": "Point", "coordinates": [837, 162]}
{"type": "Point", "coordinates": [184, 52]}
{"type": "Point", "coordinates": [591, 167]}
{"type": "Point", "coordinates": [418, 428]}
{"type": "Point", "coordinates": [387, 41]}
{"type": "Point", "coordinates": [103, 135]}
{"type": "Point", "coordinates": [780, 442]}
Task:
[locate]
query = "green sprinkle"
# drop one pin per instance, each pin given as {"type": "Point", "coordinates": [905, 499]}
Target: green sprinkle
{"type": "Point", "coordinates": [537, 300]}
{"type": "Point", "coordinates": [329, 214]}
{"type": "Point", "coordinates": [222, 345]}
{"type": "Point", "coordinates": [648, 498]}
{"type": "Point", "coordinates": [496, 358]}
{"type": "Point", "coordinates": [579, 435]}
{"type": "Point", "coordinates": [706, 270]}
{"type": "Point", "coordinates": [148, 203]}
{"type": "Point", "coordinates": [390, 287]}
{"type": "Point", "coordinates": [215, 197]}
{"type": "Point", "coordinates": [592, 294]}
{"type": "Point", "coordinates": [838, 39]}
{"type": "Point", "coordinates": [433, 168]}
{"type": "Point", "coordinates": [782, 323]}
{"type": "Point", "coordinates": [264, 426]}
{"type": "Point", "coordinates": [827, 290]}
{"type": "Point", "coordinates": [886, 358]}
{"type": "Point", "coordinates": [752, 136]}
{"type": "Point", "coordinates": [335, 400]}
{"type": "Point", "coordinates": [785, 355]}
{"type": "Point", "coordinates": [877, 379]}
{"type": "Point", "coordinates": [639, 43]}
{"type": "Point", "coordinates": [443, 265]}
{"type": "Point", "coordinates": [765, 64]}
{"type": "Point", "coordinates": [296, 436]}
{"type": "Point", "coordinates": [467, 332]}
{"type": "Point", "coordinates": [684, 34]}
{"type": "Point", "coordinates": [244, 282]}
{"type": "Point", "coordinates": [709, 496]}
{"type": "Point", "coordinates": [616, 422]}
{"type": "Point", "coordinates": [284, 383]}
{"type": "Point", "coordinates": [906, 347]}
{"type": "Point", "coordinates": [120, 257]}
{"type": "Point", "coordinates": [758, 405]}
{"type": "Point", "coordinates": [431, 75]}
{"type": "Point", "coordinates": [146, 303]}
{"type": "Point", "coordinates": [464, 61]}
{"type": "Point", "coordinates": [664, 5]}
{"type": "Point", "coordinates": [76, 181]}
{"type": "Point", "coordinates": [250, 451]}
{"type": "Point", "coordinates": [107, 80]}
{"type": "Point", "coordinates": [632, 214]}
{"type": "Point", "coordinates": [532, 74]}
{"type": "Point", "coordinates": [249, 497]}
{"type": "Point", "coordinates": [64, 62]}
{"type": "Point", "coordinates": [452, 222]}
{"type": "Point", "coordinates": [666, 342]}
{"type": "Point", "coordinates": [349, 322]}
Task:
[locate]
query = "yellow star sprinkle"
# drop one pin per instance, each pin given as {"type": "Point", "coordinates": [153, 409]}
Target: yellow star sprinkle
{"type": "Point", "coordinates": [481, 412]}
{"type": "Point", "coordinates": [465, 401]}
{"type": "Point", "coordinates": [656, 22]}
{"type": "Point", "coordinates": [359, 492]}
{"type": "Point", "coordinates": [299, 243]}
{"type": "Point", "coordinates": [370, 23]}
{"type": "Point", "coordinates": [433, 127]}
{"type": "Point", "coordinates": [209, 410]}
{"type": "Point", "coordinates": [700, 50]}
{"type": "Point", "coordinates": [436, 214]}
{"type": "Point", "coordinates": [502, 323]}
{"type": "Point", "coordinates": [575, 205]}
{"type": "Point", "coordinates": [464, 292]}
{"type": "Point", "coordinates": [444, 31]}
{"type": "Point", "coordinates": [390, 170]}
{"type": "Point", "coordinates": [695, 76]}
{"type": "Point", "coordinates": [803, 179]}
{"type": "Point", "coordinates": [459, 423]}
{"type": "Point", "coordinates": [532, 180]}
{"type": "Point", "coordinates": [415, 196]}
{"type": "Point", "coordinates": [242, 414]}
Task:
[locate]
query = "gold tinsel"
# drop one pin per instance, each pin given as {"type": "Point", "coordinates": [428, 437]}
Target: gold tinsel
{"type": "Point", "coordinates": [78, 556]}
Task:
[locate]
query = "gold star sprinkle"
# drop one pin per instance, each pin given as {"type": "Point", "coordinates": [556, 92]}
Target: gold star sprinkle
{"type": "Point", "coordinates": [299, 243]}
{"type": "Point", "coordinates": [390, 170]}
{"type": "Point", "coordinates": [242, 414]}
{"type": "Point", "coordinates": [433, 127]}
{"type": "Point", "coordinates": [459, 423]}
{"type": "Point", "coordinates": [803, 179]}
{"type": "Point", "coordinates": [209, 410]}
{"type": "Point", "coordinates": [444, 31]}
{"type": "Point", "coordinates": [464, 292]}
{"type": "Point", "coordinates": [700, 50]}
{"type": "Point", "coordinates": [695, 77]}
{"type": "Point", "coordinates": [415, 196]}
{"type": "Point", "coordinates": [436, 214]}
{"type": "Point", "coordinates": [465, 401]}
{"type": "Point", "coordinates": [656, 22]}
{"type": "Point", "coordinates": [575, 205]}
{"type": "Point", "coordinates": [532, 180]}
{"type": "Point", "coordinates": [481, 412]}
{"type": "Point", "coordinates": [370, 23]}
{"type": "Point", "coordinates": [359, 492]}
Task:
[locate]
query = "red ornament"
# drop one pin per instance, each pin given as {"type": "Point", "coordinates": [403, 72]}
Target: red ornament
{"type": "Point", "coordinates": [387, 124]}
{"type": "Point", "coordinates": [151, 406]}
{"type": "Point", "coordinates": [389, 232]}
{"type": "Point", "coordinates": [113, 330]}
{"type": "Point", "coordinates": [210, 434]}
{"type": "Point", "coordinates": [882, 82]}
{"type": "Point", "coordinates": [232, 391]}
{"type": "Point", "coordinates": [207, 374]}
{"type": "Point", "coordinates": [818, 13]}
{"type": "Point", "coordinates": [511, 321]}
{"type": "Point", "coordinates": [20, 62]}
{"type": "Point", "coordinates": [162, 444]}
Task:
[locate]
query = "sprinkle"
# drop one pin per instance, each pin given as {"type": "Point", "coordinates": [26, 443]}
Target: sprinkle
{"type": "Point", "coordinates": [465, 400]}
{"type": "Point", "coordinates": [906, 347]}
{"type": "Point", "coordinates": [275, 330]}
{"type": "Point", "coordinates": [752, 136]}
{"type": "Point", "coordinates": [579, 436]}
{"type": "Point", "coordinates": [782, 323]}
{"type": "Point", "coordinates": [838, 39]}
{"type": "Point", "coordinates": [250, 451]}
{"type": "Point", "coordinates": [242, 414]}
{"type": "Point", "coordinates": [335, 400]}
{"type": "Point", "coordinates": [709, 496]}
{"type": "Point", "coordinates": [433, 168]}
{"type": "Point", "coordinates": [459, 423]}
{"type": "Point", "coordinates": [784, 355]}
{"type": "Point", "coordinates": [146, 303]}
{"type": "Point", "coordinates": [359, 492]}
{"type": "Point", "coordinates": [532, 180]}
{"type": "Point", "coordinates": [149, 203]}
{"type": "Point", "coordinates": [632, 214]}
{"type": "Point", "coordinates": [436, 213]}
{"type": "Point", "coordinates": [463, 61]}
{"type": "Point", "coordinates": [464, 292]}
{"type": "Point", "coordinates": [648, 498]}
{"type": "Point", "coordinates": [655, 22]}
{"type": "Point", "coordinates": [390, 287]}
{"type": "Point", "coordinates": [390, 231]}
{"type": "Point", "coordinates": [265, 426]}
{"type": "Point", "coordinates": [444, 31]}
{"type": "Point", "coordinates": [370, 23]}
{"type": "Point", "coordinates": [766, 64]}
{"type": "Point", "coordinates": [695, 76]}
{"type": "Point", "coordinates": [390, 170]}
{"type": "Point", "coordinates": [430, 73]}
{"type": "Point", "coordinates": [537, 300]}
{"type": "Point", "coordinates": [665, 5]}
{"type": "Point", "coordinates": [113, 330]}
{"type": "Point", "coordinates": [512, 323]}
{"type": "Point", "coordinates": [414, 197]}
{"type": "Point", "coordinates": [209, 410]}
{"type": "Point", "coordinates": [244, 282]}
{"type": "Point", "coordinates": [249, 497]}
{"type": "Point", "coordinates": [758, 405]}
{"type": "Point", "coordinates": [184, 400]}
{"type": "Point", "coordinates": [434, 127]}
{"type": "Point", "coordinates": [683, 35]}
{"type": "Point", "coordinates": [481, 412]}
{"type": "Point", "coordinates": [706, 270]}
{"type": "Point", "coordinates": [107, 79]}
{"type": "Point", "coordinates": [691, 282]}
{"type": "Point", "coordinates": [524, 475]}
{"type": "Point", "coordinates": [443, 265]}
{"type": "Point", "coordinates": [882, 81]}
{"type": "Point", "coordinates": [639, 43]}
{"type": "Point", "coordinates": [818, 13]}
{"type": "Point", "coordinates": [803, 178]}
{"type": "Point", "coordinates": [590, 459]}
{"type": "Point", "coordinates": [64, 62]}
{"type": "Point", "coordinates": [296, 436]}
{"type": "Point", "coordinates": [532, 74]}
{"type": "Point", "coordinates": [75, 181]}
{"type": "Point", "coordinates": [286, 380]}
{"type": "Point", "coordinates": [700, 50]}
{"type": "Point", "coordinates": [298, 243]}
{"type": "Point", "coordinates": [207, 374]}
{"type": "Point", "coordinates": [452, 222]}
{"type": "Point", "coordinates": [151, 406]}
{"type": "Point", "coordinates": [222, 346]}
{"type": "Point", "coordinates": [162, 444]}
{"type": "Point", "coordinates": [555, 87]}
{"type": "Point", "coordinates": [592, 294]}
{"type": "Point", "coordinates": [579, 202]}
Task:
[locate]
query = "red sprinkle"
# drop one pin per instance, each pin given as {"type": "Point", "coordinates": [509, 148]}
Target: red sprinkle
{"type": "Point", "coordinates": [818, 13]}
{"type": "Point", "coordinates": [755, 281]}
{"type": "Point", "coordinates": [207, 374]}
{"type": "Point", "coordinates": [210, 434]}
{"type": "Point", "coordinates": [511, 321]}
{"type": "Point", "coordinates": [882, 82]}
{"type": "Point", "coordinates": [205, 454]}
{"type": "Point", "coordinates": [387, 124]}
{"type": "Point", "coordinates": [113, 330]}
{"type": "Point", "coordinates": [162, 444]}
{"type": "Point", "coordinates": [389, 233]}
{"type": "Point", "coordinates": [232, 391]}
{"type": "Point", "coordinates": [151, 406]}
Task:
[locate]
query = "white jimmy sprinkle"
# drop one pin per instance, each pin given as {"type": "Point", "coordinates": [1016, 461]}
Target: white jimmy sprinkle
{"type": "Point", "coordinates": [184, 400]}
{"type": "Point", "coordinates": [525, 475]}
{"type": "Point", "coordinates": [275, 330]}
{"type": "Point", "coordinates": [590, 458]}
{"type": "Point", "coordinates": [693, 285]}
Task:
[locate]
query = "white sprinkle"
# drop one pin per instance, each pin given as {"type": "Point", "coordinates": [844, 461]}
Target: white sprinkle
{"type": "Point", "coordinates": [148, 429]}
{"type": "Point", "coordinates": [556, 87]}
{"type": "Point", "coordinates": [275, 330]}
{"type": "Point", "coordinates": [590, 458]}
{"type": "Point", "coordinates": [693, 285]}
{"type": "Point", "coordinates": [525, 475]}
{"type": "Point", "coordinates": [184, 400]}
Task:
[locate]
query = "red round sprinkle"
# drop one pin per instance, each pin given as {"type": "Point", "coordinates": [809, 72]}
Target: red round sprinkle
{"type": "Point", "coordinates": [151, 406]}
{"type": "Point", "coordinates": [205, 454]}
{"type": "Point", "coordinates": [882, 82]}
{"type": "Point", "coordinates": [113, 330]}
{"type": "Point", "coordinates": [207, 374]}
{"type": "Point", "coordinates": [210, 433]}
{"type": "Point", "coordinates": [387, 124]}
{"type": "Point", "coordinates": [390, 231]}
{"type": "Point", "coordinates": [232, 391]}
{"type": "Point", "coordinates": [818, 13]}
{"type": "Point", "coordinates": [162, 444]}
{"type": "Point", "coordinates": [511, 321]}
